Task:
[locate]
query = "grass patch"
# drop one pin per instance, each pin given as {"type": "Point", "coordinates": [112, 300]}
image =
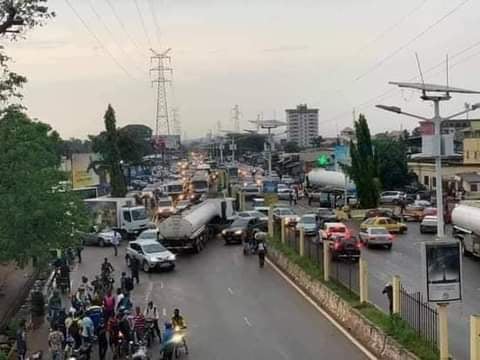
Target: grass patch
{"type": "Point", "coordinates": [393, 326]}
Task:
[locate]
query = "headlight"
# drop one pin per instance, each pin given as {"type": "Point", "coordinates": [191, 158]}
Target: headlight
{"type": "Point", "coordinates": [224, 232]}
{"type": "Point", "coordinates": [239, 232]}
{"type": "Point", "coordinates": [172, 257]}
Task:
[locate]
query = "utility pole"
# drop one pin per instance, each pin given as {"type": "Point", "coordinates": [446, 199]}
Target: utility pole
{"type": "Point", "coordinates": [177, 124]}
{"type": "Point", "coordinates": [162, 68]}
{"type": "Point", "coordinates": [236, 118]}
{"type": "Point", "coordinates": [233, 147]}
{"type": "Point", "coordinates": [220, 148]}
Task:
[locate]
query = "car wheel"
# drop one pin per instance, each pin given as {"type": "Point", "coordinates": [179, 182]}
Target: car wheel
{"type": "Point", "coordinates": [172, 267]}
{"type": "Point", "coordinates": [101, 242]}
{"type": "Point", "coordinates": [146, 267]}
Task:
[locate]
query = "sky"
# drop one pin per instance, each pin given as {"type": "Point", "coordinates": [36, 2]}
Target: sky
{"type": "Point", "coordinates": [264, 55]}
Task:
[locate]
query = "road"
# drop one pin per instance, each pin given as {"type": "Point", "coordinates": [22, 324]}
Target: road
{"type": "Point", "coordinates": [234, 309]}
{"type": "Point", "coordinates": [405, 260]}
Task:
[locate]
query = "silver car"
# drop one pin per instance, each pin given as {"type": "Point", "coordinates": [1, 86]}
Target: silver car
{"type": "Point", "coordinates": [376, 236]}
{"type": "Point", "coordinates": [150, 254]}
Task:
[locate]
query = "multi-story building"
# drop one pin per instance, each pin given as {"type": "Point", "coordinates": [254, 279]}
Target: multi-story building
{"type": "Point", "coordinates": [302, 125]}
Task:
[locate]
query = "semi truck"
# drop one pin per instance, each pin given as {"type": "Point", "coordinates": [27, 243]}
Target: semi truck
{"type": "Point", "coordinates": [117, 214]}
{"type": "Point", "coordinates": [466, 228]}
{"type": "Point", "coordinates": [191, 229]}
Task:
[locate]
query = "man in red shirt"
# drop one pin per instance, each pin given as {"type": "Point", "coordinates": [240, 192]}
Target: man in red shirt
{"type": "Point", "coordinates": [139, 323]}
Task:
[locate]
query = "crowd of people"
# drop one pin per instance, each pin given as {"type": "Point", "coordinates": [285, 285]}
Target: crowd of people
{"type": "Point", "coordinates": [98, 313]}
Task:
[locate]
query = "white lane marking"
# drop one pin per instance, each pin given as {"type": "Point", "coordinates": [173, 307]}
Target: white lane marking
{"type": "Point", "coordinates": [149, 292]}
{"type": "Point", "coordinates": [323, 312]}
{"type": "Point", "coordinates": [230, 291]}
{"type": "Point", "coordinates": [164, 312]}
{"type": "Point", "coordinates": [247, 322]}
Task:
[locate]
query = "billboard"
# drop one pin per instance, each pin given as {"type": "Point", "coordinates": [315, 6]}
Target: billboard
{"type": "Point", "coordinates": [442, 264]}
{"type": "Point", "coordinates": [166, 142]}
{"type": "Point", "coordinates": [82, 176]}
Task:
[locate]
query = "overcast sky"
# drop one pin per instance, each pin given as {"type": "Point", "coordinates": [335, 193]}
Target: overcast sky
{"type": "Point", "coordinates": [264, 55]}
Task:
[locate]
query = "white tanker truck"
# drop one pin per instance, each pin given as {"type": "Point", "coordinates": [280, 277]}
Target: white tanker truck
{"type": "Point", "coordinates": [321, 178]}
{"type": "Point", "coordinates": [191, 229]}
{"type": "Point", "coordinates": [466, 228]}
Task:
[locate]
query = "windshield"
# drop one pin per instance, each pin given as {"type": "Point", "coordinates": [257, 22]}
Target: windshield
{"type": "Point", "coordinates": [378, 231]}
{"type": "Point", "coordinates": [286, 212]}
{"type": "Point", "coordinates": [175, 188]}
{"type": "Point", "coordinates": [139, 214]}
{"type": "Point", "coordinates": [153, 248]}
{"type": "Point", "coordinates": [308, 220]}
{"type": "Point", "coordinates": [164, 203]}
{"type": "Point", "coordinates": [150, 235]}
{"type": "Point", "coordinates": [241, 222]}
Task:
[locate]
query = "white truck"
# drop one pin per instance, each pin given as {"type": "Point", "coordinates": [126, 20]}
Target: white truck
{"type": "Point", "coordinates": [191, 229]}
{"type": "Point", "coordinates": [466, 228]}
{"type": "Point", "coordinates": [199, 183]}
{"type": "Point", "coordinates": [173, 188]}
{"type": "Point", "coordinates": [119, 214]}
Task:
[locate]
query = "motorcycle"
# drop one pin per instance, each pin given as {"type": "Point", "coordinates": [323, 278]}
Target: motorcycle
{"type": "Point", "coordinates": [179, 341]}
{"type": "Point", "coordinates": [82, 353]}
{"type": "Point", "coordinates": [139, 351]}
{"type": "Point", "coordinates": [149, 332]}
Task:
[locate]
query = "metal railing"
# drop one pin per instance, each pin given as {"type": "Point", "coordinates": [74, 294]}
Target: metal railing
{"type": "Point", "coordinates": [419, 315]}
{"type": "Point", "coordinates": [314, 250]}
{"type": "Point", "coordinates": [346, 273]}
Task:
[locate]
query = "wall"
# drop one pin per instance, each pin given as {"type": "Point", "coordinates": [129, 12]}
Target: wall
{"type": "Point", "coordinates": [381, 345]}
{"type": "Point", "coordinates": [422, 169]}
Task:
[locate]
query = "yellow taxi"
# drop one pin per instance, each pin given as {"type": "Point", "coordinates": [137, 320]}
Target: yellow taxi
{"type": "Point", "coordinates": [391, 225]}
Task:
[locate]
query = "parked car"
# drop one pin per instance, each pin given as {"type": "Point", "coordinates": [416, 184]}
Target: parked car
{"type": "Point", "coordinates": [285, 213]}
{"type": "Point", "coordinates": [330, 229]}
{"type": "Point", "coordinates": [345, 247]}
{"type": "Point", "coordinates": [150, 254]}
{"type": "Point", "coordinates": [392, 197]}
{"type": "Point", "coordinates": [326, 215]}
{"type": "Point", "coordinates": [309, 224]}
{"type": "Point", "coordinates": [242, 229]}
{"type": "Point", "coordinates": [380, 212]}
{"type": "Point", "coordinates": [391, 225]}
{"type": "Point", "coordinates": [429, 225]}
{"type": "Point", "coordinates": [376, 236]}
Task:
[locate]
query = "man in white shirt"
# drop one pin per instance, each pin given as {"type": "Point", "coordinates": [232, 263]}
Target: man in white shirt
{"type": "Point", "coordinates": [116, 241]}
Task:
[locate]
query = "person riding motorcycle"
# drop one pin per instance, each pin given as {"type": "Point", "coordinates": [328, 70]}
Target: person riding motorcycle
{"type": "Point", "coordinates": [179, 325]}
{"type": "Point", "coordinates": [168, 346]}
{"type": "Point", "coordinates": [54, 306]}
{"type": "Point", "coordinates": [107, 268]}
{"type": "Point", "coordinates": [261, 250]}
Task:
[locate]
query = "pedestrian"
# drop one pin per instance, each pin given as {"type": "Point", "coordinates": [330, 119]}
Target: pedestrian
{"type": "Point", "coordinates": [309, 200]}
{"type": "Point", "coordinates": [134, 269]}
{"type": "Point", "coordinates": [55, 343]}
{"type": "Point", "coordinates": [88, 329]}
{"type": "Point", "coordinates": [388, 290]}
{"type": "Point", "coordinates": [118, 298]}
{"type": "Point", "coordinates": [116, 241]}
{"type": "Point", "coordinates": [290, 198]}
{"type": "Point", "coordinates": [123, 283]}
{"type": "Point", "coordinates": [102, 341]}
{"type": "Point", "coordinates": [108, 305]}
{"type": "Point", "coordinates": [79, 249]}
{"type": "Point", "coordinates": [21, 338]}
{"type": "Point", "coordinates": [295, 197]}
{"type": "Point", "coordinates": [113, 334]}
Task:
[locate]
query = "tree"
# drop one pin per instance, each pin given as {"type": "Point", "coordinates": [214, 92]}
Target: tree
{"type": "Point", "coordinates": [317, 141]}
{"type": "Point", "coordinates": [35, 217]}
{"type": "Point", "coordinates": [16, 17]}
{"type": "Point", "coordinates": [134, 143]}
{"type": "Point", "coordinates": [391, 155]}
{"type": "Point", "coordinates": [75, 146]}
{"type": "Point", "coordinates": [107, 144]}
{"type": "Point", "coordinates": [363, 169]}
{"type": "Point", "coordinates": [291, 147]}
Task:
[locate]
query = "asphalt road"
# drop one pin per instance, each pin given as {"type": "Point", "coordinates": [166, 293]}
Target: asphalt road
{"type": "Point", "coordinates": [234, 309]}
{"type": "Point", "coordinates": [405, 260]}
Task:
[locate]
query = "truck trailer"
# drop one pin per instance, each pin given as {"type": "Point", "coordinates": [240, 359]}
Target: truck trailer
{"type": "Point", "coordinates": [466, 228]}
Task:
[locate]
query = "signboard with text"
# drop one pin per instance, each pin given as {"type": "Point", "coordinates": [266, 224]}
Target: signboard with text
{"type": "Point", "coordinates": [442, 265]}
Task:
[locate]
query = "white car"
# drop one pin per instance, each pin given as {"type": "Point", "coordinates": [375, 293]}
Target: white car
{"type": "Point", "coordinates": [151, 255]}
{"type": "Point", "coordinates": [392, 197]}
{"type": "Point", "coordinates": [253, 213]}
{"type": "Point", "coordinates": [376, 236]}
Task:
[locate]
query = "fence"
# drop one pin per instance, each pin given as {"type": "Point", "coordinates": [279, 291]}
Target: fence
{"type": "Point", "coordinates": [419, 315]}
{"type": "Point", "coordinates": [347, 273]}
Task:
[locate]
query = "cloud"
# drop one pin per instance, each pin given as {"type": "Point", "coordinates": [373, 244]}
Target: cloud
{"type": "Point", "coordinates": [287, 48]}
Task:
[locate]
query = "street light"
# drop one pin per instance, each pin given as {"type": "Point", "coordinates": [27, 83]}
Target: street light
{"type": "Point", "coordinates": [437, 120]}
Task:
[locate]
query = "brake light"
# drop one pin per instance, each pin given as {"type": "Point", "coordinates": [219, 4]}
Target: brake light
{"type": "Point", "coordinates": [337, 245]}
{"type": "Point", "coordinates": [391, 237]}
{"type": "Point", "coordinates": [359, 244]}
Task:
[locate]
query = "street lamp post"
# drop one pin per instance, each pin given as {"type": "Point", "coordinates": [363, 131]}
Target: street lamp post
{"type": "Point", "coordinates": [437, 120]}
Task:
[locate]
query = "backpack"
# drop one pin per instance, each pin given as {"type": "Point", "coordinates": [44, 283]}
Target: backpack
{"type": "Point", "coordinates": [128, 284]}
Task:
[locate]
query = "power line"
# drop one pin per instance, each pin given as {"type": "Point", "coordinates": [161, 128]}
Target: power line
{"type": "Point", "coordinates": [104, 48]}
{"type": "Point", "coordinates": [124, 28]}
{"type": "Point", "coordinates": [411, 41]}
{"type": "Point", "coordinates": [142, 21]}
{"type": "Point", "coordinates": [107, 28]}
{"type": "Point", "coordinates": [155, 21]}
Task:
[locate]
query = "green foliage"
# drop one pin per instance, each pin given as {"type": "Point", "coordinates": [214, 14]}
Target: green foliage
{"type": "Point", "coordinates": [75, 146]}
{"type": "Point", "coordinates": [34, 218]}
{"type": "Point", "coordinates": [363, 169]}
{"type": "Point", "coordinates": [291, 147]}
{"type": "Point", "coordinates": [134, 143]}
{"type": "Point", "coordinates": [391, 155]}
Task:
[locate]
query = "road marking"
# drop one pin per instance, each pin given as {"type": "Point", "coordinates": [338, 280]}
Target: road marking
{"type": "Point", "coordinates": [149, 292]}
{"type": "Point", "coordinates": [230, 291]}
{"type": "Point", "coordinates": [161, 284]}
{"type": "Point", "coordinates": [164, 312]}
{"type": "Point", "coordinates": [247, 322]}
{"type": "Point", "coordinates": [323, 312]}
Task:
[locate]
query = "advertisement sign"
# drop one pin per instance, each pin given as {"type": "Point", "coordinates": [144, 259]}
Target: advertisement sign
{"type": "Point", "coordinates": [82, 175]}
{"type": "Point", "coordinates": [442, 263]}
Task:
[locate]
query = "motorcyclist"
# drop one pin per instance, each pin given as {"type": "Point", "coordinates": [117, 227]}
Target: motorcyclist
{"type": "Point", "coordinates": [107, 268]}
{"type": "Point", "coordinates": [168, 346]}
{"type": "Point", "coordinates": [151, 314]}
{"type": "Point", "coordinates": [261, 250]}
{"type": "Point", "coordinates": [179, 325]}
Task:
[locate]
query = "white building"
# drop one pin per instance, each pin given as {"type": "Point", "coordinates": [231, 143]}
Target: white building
{"type": "Point", "coordinates": [302, 125]}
